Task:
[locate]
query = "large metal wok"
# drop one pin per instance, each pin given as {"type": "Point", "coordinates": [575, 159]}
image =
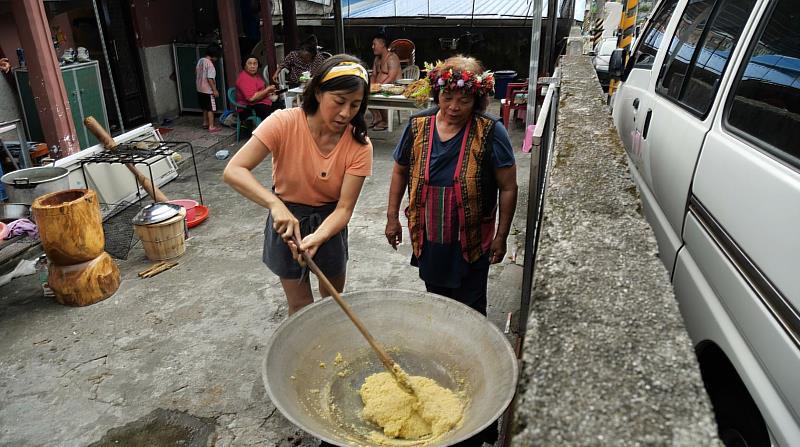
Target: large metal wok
{"type": "Point", "coordinates": [426, 334]}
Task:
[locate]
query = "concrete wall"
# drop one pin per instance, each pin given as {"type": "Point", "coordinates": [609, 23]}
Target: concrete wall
{"type": "Point", "coordinates": [607, 360]}
{"type": "Point", "coordinates": [8, 100]}
{"type": "Point", "coordinates": [162, 90]}
{"type": "Point", "coordinates": [159, 23]}
{"type": "Point", "coordinates": [9, 41]}
{"type": "Point", "coordinates": [60, 27]}
{"type": "Point", "coordinates": [301, 7]}
{"type": "Point", "coordinates": [612, 14]}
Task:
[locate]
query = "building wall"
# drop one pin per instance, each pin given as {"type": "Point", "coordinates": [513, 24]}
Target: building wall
{"type": "Point", "coordinates": [157, 25]}
{"type": "Point", "coordinates": [8, 100]}
{"type": "Point", "coordinates": [61, 24]}
{"type": "Point", "coordinates": [162, 90]}
{"type": "Point", "coordinates": [9, 41]}
{"type": "Point", "coordinates": [160, 23]}
{"type": "Point", "coordinates": [302, 8]}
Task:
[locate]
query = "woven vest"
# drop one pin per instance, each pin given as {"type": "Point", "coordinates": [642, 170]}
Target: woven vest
{"type": "Point", "coordinates": [477, 184]}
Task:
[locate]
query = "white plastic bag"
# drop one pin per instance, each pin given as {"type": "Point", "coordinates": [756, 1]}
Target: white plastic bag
{"type": "Point", "coordinates": [24, 268]}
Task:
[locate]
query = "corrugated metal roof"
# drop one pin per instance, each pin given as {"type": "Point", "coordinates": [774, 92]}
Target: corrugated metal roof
{"type": "Point", "coordinates": [484, 9]}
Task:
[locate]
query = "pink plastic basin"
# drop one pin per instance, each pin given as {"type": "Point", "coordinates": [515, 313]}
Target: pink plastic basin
{"type": "Point", "coordinates": [189, 205]}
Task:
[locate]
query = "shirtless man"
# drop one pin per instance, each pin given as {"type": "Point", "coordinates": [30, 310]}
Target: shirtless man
{"type": "Point", "coordinates": [385, 70]}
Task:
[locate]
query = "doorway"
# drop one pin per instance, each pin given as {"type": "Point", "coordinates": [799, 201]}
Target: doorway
{"type": "Point", "coordinates": [126, 65]}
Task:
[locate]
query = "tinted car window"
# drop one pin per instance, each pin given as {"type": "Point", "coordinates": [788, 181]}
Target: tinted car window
{"type": "Point", "coordinates": [765, 105]}
{"type": "Point", "coordinates": [699, 52]}
{"type": "Point", "coordinates": [646, 50]}
{"type": "Point", "coordinates": [682, 47]}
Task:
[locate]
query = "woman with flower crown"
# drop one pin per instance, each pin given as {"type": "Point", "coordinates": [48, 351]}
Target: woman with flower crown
{"type": "Point", "coordinates": [458, 166]}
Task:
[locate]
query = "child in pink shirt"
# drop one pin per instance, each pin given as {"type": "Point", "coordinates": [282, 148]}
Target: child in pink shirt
{"type": "Point", "coordinates": [206, 84]}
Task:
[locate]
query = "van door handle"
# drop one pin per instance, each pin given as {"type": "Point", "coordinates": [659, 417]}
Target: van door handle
{"type": "Point", "coordinates": [636, 104]}
{"type": "Point", "coordinates": [647, 124]}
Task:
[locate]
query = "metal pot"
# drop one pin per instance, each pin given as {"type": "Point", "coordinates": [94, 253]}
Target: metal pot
{"type": "Point", "coordinates": [10, 212]}
{"type": "Point", "coordinates": [25, 185]}
{"type": "Point", "coordinates": [427, 334]}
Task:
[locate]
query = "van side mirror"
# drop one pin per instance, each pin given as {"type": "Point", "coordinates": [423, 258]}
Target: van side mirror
{"type": "Point", "coordinates": [616, 64]}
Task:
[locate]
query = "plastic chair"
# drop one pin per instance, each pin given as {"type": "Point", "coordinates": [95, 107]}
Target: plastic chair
{"type": "Point", "coordinates": [510, 103]}
{"type": "Point", "coordinates": [281, 82]}
{"type": "Point", "coordinates": [411, 72]}
{"type": "Point", "coordinates": [238, 109]}
{"type": "Point", "coordinates": [281, 77]}
{"type": "Point", "coordinates": [265, 75]}
{"type": "Point", "coordinates": [404, 49]}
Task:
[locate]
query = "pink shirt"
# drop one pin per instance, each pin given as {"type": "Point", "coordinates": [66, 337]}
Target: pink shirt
{"type": "Point", "coordinates": [247, 85]}
{"type": "Point", "coordinates": [204, 71]}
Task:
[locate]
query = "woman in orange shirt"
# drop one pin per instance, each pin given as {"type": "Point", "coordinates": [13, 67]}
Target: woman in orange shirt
{"type": "Point", "coordinates": [320, 158]}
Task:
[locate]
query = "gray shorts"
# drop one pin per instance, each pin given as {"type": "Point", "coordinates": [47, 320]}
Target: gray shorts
{"type": "Point", "coordinates": [331, 257]}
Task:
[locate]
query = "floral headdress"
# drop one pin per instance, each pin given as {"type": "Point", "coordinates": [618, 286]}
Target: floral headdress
{"type": "Point", "coordinates": [451, 79]}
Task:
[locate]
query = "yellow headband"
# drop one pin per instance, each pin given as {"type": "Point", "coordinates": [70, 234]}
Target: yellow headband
{"type": "Point", "coordinates": [347, 69]}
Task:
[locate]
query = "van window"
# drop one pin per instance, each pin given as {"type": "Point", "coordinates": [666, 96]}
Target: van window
{"type": "Point", "coordinates": [765, 104]}
{"type": "Point", "coordinates": [647, 48]}
{"type": "Point", "coordinates": [699, 52]}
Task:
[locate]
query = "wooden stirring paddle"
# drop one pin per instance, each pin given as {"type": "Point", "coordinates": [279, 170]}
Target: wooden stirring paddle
{"type": "Point", "coordinates": [393, 368]}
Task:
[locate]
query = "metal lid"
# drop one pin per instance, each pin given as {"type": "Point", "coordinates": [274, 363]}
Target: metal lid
{"type": "Point", "coordinates": [155, 213]}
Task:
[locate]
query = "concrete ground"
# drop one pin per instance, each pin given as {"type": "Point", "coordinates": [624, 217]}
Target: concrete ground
{"type": "Point", "coordinates": [176, 358]}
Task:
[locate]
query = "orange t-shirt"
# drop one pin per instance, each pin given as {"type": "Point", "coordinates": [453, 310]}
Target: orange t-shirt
{"type": "Point", "coordinates": [300, 172]}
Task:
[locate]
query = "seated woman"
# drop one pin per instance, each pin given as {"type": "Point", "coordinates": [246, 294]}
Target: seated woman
{"type": "Point", "coordinates": [306, 58]}
{"type": "Point", "coordinates": [252, 91]}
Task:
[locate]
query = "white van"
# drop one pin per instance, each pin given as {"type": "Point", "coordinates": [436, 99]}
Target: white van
{"type": "Point", "coordinates": [709, 112]}
{"type": "Point", "coordinates": [600, 58]}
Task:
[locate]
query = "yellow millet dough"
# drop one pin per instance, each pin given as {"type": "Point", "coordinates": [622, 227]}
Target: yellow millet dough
{"type": "Point", "coordinates": [434, 411]}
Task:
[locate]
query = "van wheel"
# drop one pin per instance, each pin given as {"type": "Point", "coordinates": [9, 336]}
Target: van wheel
{"type": "Point", "coordinates": [739, 420]}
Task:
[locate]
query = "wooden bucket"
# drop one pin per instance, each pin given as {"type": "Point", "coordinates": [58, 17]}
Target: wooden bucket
{"type": "Point", "coordinates": [164, 240]}
{"type": "Point", "coordinates": [70, 226]}
{"type": "Point", "coordinates": [85, 283]}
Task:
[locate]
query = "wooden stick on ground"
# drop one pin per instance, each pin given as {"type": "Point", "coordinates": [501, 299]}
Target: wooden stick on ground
{"type": "Point", "coordinates": [157, 270]}
{"type": "Point", "coordinates": [152, 267]}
